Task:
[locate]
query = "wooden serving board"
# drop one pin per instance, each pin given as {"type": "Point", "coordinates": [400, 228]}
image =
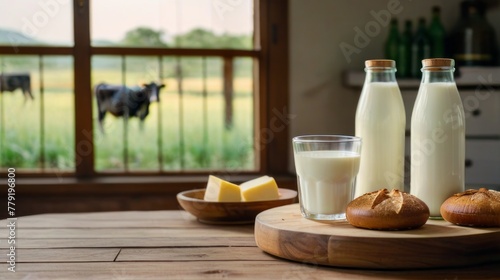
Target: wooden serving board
{"type": "Point", "coordinates": [283, 232]}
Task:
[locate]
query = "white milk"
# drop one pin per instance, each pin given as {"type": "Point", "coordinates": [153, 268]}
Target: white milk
{"type": "Point", "coordinates": [380, 122]}
{"type": "Point", "coordinates": [326, 180]}
{"type": "Point", "coordinates": [437, 144]}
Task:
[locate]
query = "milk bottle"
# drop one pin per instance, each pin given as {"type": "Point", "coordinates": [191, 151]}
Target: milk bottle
{"type": "Point", "coordinates": [437, 136]}
{"type": "Point", "coordinates": [380, 122]}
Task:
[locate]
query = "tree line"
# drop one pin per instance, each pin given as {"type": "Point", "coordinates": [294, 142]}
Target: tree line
{"type": "Point", "coordinates": [196, 38]}
{"type": "Point", "coordinates": [148, 37]}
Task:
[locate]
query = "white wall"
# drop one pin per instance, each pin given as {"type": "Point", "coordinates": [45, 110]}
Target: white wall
{"type": "Point", "coordinates": [320, 102]}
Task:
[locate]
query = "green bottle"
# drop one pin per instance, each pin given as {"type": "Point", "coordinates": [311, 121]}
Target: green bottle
{"type": "Point", "coordinates": [420, 48]}
{"type": "Point", "coordinates": [392, 42]}
{"type": "Point", "coordinates": [437, 34]}
{"type": "Point", "coordinates": [404, 53]}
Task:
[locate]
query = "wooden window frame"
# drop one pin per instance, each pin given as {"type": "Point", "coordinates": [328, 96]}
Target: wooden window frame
{"type": "Point", "coordinates": [271, 82]}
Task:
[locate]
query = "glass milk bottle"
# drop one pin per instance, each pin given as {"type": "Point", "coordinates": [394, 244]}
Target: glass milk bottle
{"type": "Point", "coordinates": [437, 136]}
{"type": "Point", "coordinates": [380, 122]}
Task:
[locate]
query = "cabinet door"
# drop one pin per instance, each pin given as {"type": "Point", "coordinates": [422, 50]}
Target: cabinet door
{"type": "Point", "coordinates": [482, 112]}
{"type": "Point", "coordinates": [482, 162]}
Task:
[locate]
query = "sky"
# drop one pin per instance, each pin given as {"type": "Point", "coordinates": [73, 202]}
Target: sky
{"type": "Point", "coordinates": [51, 20]}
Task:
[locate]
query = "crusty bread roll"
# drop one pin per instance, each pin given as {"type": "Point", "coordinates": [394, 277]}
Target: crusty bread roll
{"type": "Point", "coordinates": [384, 210]}
{"type": "Point", "coordinates": [477, 208]}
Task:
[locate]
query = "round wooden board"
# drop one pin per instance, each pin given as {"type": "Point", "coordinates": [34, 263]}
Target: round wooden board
{"type": "Point", "coordinates": [283, 232]}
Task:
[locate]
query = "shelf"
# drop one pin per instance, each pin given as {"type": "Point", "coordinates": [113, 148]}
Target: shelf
{"type": "Point", "coordinates": [469, 77]}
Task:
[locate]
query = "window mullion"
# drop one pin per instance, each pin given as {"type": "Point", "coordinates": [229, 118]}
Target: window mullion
{"type": "Point", "coordinates": [84, 147]}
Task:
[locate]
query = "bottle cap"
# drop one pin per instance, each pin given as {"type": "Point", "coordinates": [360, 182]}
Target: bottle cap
{"type": "Point", "coordinates": [380, 63]}
{"type": "Point", "coordinates": [438, 62]}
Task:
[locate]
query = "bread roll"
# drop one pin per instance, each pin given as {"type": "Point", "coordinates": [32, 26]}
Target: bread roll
{"type": "Point", "coordinates": [477, 208]}
{"type": "Point", "coordinates": [384, 210]}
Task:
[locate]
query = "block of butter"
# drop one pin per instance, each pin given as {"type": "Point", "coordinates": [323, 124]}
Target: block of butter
{"type": "Point", "coordinates": [221, 190]}
{"type": "Point", "coordinates": [262, 188]}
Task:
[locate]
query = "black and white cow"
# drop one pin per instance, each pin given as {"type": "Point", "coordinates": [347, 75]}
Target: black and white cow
{"type": "Point", "coordinates": [12, 81]}
{"type": "Point", "coordinates": [122, 101]}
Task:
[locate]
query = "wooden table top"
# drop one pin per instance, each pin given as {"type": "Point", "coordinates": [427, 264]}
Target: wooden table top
{"type": "Point", "coordinates": [168, 245]}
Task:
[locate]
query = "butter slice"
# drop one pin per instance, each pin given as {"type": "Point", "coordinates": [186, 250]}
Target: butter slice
{"type": "Point", "coordinates": [221, 190]}
{"type": "Point", "coordinates": [262, 188]}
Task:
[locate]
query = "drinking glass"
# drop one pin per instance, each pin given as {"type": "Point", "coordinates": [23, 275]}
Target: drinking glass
{"type": "Point", "coordinates": [326, 167]}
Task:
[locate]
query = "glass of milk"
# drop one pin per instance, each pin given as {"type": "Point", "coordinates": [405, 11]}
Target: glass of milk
{"type": "Point", "coordinates": [326, 167]}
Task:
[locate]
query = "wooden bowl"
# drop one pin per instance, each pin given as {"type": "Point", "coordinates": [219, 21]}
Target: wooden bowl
{"type": "Point", "coordinates": [229, 212]}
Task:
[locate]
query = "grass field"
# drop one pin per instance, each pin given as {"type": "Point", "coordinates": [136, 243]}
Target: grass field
{"type": "Point", "coordinates": [191, 138]}
{"type": "Point", "coordinates": [186, 132]}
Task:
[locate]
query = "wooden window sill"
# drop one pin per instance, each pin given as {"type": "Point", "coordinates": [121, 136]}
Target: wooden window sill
{"type": "Point", "coordinates": [65, 195]}
{"type": "Point", "coordinates": [130, 184]}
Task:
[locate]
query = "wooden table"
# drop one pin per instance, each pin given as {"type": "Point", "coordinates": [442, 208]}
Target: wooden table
{"type": "Point", "coordinates": [168, 245]}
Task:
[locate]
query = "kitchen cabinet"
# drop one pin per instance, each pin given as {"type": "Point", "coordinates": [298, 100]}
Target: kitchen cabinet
{"type": "Point", "coordinates": [480, 92]}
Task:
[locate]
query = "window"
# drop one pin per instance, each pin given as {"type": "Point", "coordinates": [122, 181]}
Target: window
{"type": "Point", "coordinates": [217, 111]}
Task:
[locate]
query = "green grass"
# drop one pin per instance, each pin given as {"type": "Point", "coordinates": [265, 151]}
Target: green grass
{"type": "Point", "coordinates": [22, 144]}
{"type": "Point", "coordinates": [182, 139]}
{"type": "Point", "coordinates": [186, 143]}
